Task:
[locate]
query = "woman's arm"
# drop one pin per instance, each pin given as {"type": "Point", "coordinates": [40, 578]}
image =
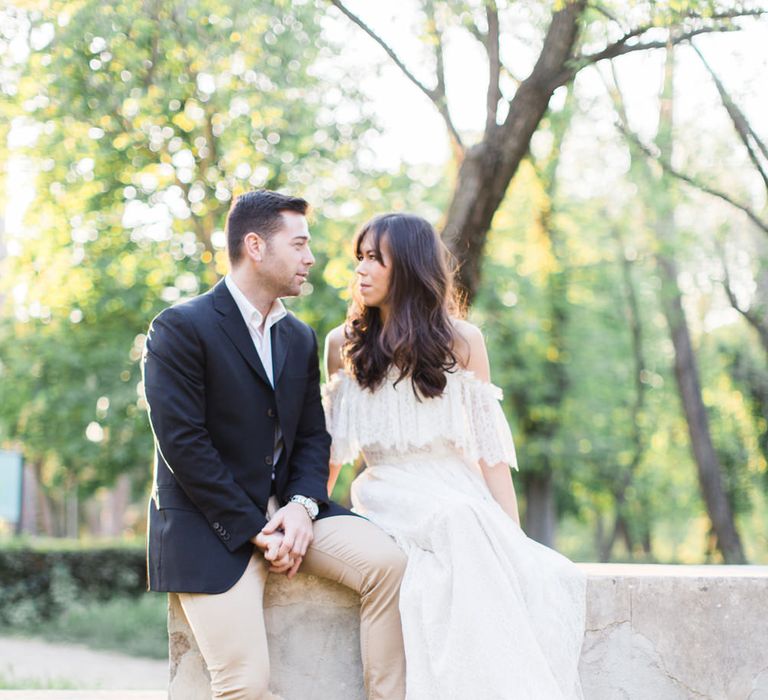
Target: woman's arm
{"type": "Point", "coordinates": [473, 356]}
{"type": "Point", "coordinates": [333, 363]}
{"type": "Point", "coordinates": [499, 481]}
{"type": "Point", "coordinates": [334, 469]}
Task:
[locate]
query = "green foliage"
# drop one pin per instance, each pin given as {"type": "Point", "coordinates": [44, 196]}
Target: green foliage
{"type": "Point", "coordinates": [40, 584]}
{"type": "Point", "coordinates": [147, 119]}
{"type": "Point", "coordinates": [736, 381]}
{"type": "Point", "coordinates": [134, 626]}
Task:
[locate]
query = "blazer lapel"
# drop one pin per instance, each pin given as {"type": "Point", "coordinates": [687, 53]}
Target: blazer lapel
{"type": "Point", "coordinates": [233, 325]}
{"type": "Point", "coordinates": [281, 335]}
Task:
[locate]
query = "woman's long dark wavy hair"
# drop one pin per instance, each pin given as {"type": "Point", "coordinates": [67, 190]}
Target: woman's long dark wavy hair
{"type": "Point", "coordinates": [418, 337]}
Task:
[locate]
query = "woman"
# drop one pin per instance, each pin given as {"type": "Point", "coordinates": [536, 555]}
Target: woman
{"type": "Point", "coordinates": [487, 613]}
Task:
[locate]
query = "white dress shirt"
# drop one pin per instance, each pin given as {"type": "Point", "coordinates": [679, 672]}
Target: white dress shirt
{"type": "Point", "coordinates": [259, 329]}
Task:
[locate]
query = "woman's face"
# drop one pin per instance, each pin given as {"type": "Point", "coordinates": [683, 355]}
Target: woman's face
{"type": "Point", "coordinates": [373, 272]}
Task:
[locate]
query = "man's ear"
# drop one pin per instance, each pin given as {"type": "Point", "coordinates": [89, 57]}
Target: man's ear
{"type": "Point", "coordinates": [254, 246]}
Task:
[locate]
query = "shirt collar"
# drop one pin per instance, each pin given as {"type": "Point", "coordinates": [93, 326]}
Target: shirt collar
{"type": "Point", "coordinates": [250, 313]}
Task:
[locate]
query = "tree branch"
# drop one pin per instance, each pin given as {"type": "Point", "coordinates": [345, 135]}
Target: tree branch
{"type": "Point", "coordinates": [439, 95]}
{"type": "Point", "coordinates": [551, 64]}
{"type": "Point", "coordinates": [482, 36]}
{"type": "Point", "coordinates": [433, 94]}
{"type": "Point", "coordinates": [740, 123]}
{"type": "Point", "coordinates": [756, 320]}
{"type": "Point", "coordinates": [605, 12]}
{"type": "Point", "coordinates": [668, 168]}
{"type": "Point", "coordinates": [153, 10]}
{"type": "Point", "coordinates": [621, 45]}
{"type": "Point", "coordinates": [476, 32]}
{"type": "Point", "coordinates": [620, 48]}
{"type": "Point", "coordinates": [396, 60]}
{"type": "Point", "coordinates": [494, 66]}
{"type": "Point", "coordinates": [624, 127]}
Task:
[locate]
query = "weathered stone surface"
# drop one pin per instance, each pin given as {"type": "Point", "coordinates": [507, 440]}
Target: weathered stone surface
{"type": "Point", "coordinates": [314, 643]}
{"type": "Point", "coordinates": [653, 633]}
{"type": "Point", "coordinates": [676, 632]}
{"type": "Point", "coordinates": [83, 695]}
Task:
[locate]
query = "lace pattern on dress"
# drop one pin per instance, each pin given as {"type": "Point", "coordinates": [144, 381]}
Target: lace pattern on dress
{"type": "Point", "coordinates": [467, 416]}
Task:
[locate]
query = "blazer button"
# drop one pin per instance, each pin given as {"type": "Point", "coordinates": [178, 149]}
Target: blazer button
{"type": "Point", "coordinates": [268, 460]}
{"type": "Point", "coordinates": [216, 526]}
{"type": "Point", "coordinates": [271, 412]}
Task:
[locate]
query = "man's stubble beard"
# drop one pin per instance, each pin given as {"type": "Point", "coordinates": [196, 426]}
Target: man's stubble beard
{"type": "Point", "coordinates": [282, 289]}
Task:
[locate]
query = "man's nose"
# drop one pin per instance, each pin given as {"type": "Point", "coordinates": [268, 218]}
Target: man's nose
{"type": "Point", "coordinates": [309, 259]}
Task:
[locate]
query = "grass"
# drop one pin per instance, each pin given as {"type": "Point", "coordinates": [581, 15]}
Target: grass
{"type": "Point", "coordinates": [14, 683]}
{"type": "Point", "coordinates": [135, 626]}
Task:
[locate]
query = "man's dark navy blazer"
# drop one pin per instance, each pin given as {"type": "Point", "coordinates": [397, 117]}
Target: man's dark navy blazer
{"type": "Point", "coordinates": [213, 412]}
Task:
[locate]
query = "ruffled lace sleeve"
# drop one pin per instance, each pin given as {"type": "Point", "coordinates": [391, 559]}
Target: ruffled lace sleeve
{"type": "Point", "coordinates": [339, 418]}
{"type": "Point", "coordinates": [488, 437]}
{"type": "Point", "coordinates": [468, 417]}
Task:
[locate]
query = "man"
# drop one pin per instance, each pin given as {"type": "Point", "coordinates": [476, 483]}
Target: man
{"type": "Point", "coordinates": [241, 466]}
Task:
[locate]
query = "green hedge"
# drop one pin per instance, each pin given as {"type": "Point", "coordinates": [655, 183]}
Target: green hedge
{"type": "Point", "coordinates": [38, 583]}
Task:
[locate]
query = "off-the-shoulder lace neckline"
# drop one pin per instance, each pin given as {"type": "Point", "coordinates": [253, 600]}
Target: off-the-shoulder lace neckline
{"type": "Point", "coordinates": [466, 415]}
{"type": "Point", "coordinates": [462, 373]}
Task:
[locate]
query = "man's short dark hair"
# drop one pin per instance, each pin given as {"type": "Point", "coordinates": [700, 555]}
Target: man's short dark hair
{"type": "Point", "coordinates": [259, 211]}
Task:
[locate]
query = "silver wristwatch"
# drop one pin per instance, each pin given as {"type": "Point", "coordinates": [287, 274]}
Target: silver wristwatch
{"type": "Point", "coordinates": [310, 505]}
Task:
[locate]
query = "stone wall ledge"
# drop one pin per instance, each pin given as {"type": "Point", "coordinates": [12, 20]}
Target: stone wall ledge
{"type": "Point", "coordinates": [654, 632]}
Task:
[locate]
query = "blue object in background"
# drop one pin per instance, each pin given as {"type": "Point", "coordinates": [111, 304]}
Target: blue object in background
{"type": "Point", "coordinates": [11, 464]}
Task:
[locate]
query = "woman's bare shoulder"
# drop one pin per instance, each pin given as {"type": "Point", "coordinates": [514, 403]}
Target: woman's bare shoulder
{"type": "Point", "coordinates": [468, 331]}
{"type": "Point", "coordinates": [333, 344]}
{"type": "Point", "coordinates": [469, 348]}
{"type": "Point", "coordinates": [336, 336]}
{"type": "Point", "coordinates": [467, 337]}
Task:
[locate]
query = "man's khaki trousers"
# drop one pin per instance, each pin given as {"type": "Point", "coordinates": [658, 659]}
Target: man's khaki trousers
{"type": "Point", "coordinates": [229, 627]}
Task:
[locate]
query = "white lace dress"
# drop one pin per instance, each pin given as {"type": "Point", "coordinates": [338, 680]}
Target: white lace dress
{"type": "Point", "coordinates": [488, 614]}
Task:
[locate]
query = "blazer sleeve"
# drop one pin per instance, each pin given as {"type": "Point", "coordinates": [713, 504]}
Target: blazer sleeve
{"type": "Point", "coordinates": [308, 467]}
{"type": "Point", "coordinates": [174, 384]}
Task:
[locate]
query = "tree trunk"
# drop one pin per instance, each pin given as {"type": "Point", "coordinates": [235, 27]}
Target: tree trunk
{"type": "Point", "coordinates": [489, 166]}
{"type": "Point", "coordinates": [45, 506]}
{"type": "Point", "coordinates": [115, 506]}
{"type": "Point", "coordinates": [600, 541]}
{"type": "Point", "coordinates": [759, 305]}
{"type": "Point", "coordinates": [625, 478]}
{"type": "Point", "coordinates": [72, 514]}
{"type": "Point", "coordinates": [540, 516]}
{"type": "Point", "coordinates": [686, 372]}
{"type": "Point", "coordinates": [707, 462]}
